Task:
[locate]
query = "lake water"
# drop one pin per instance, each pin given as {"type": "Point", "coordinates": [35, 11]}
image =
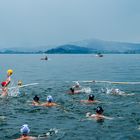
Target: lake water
{"type": "Point", "coordinates": [55, 77]}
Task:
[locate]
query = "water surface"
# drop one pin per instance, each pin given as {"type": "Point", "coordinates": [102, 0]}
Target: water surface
{"type": "Point", "coordinates": [55, 78]}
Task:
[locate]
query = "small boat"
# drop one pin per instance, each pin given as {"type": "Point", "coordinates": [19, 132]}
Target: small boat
{"type": "Point", "coordinates": [99, 55]}
{"type": "Point", "coordinates": [45, 58]}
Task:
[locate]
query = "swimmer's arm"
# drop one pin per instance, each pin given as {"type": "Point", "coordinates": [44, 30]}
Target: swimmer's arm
{"type": "Point", "coordinates": [56, 104]}
{"type": "Point", "coordinates": [8, 80]}
{"type": "Point", "coordinates": [83, 101]}
{"type": "Point", "coordinates": [94, 115]}
{"type": "Point", "coordinates": [30, 102]}
{"type": "Point", "coordinates": [90, 115]}
{"type": "Point", "coordinates": [97, 101]}
{"type": "Point", "coordinates": [86, 101]}
{"type": "Point", "coordinates": [33, 103]}
{"type": "Point", "coordinates": [46, 104]}
{"type": "Point", "coordinates": [31, 138]}
{"type": "Point", "coordinates": [109, 118]}
{"type": "Point", "coordinates": [43, 104]}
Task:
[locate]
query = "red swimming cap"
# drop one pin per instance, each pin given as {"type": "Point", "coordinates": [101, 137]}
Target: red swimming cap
{"type": "Point", "coordinates": [3, 84]}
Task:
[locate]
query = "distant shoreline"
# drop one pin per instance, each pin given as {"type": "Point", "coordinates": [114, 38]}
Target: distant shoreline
{"type": "Point", "coordinates": [69, 53]}
{"type": "Point", "coordinates": [93, 46]}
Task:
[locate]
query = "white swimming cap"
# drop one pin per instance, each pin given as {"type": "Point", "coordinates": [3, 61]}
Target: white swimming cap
{"type": "Point", "coordinates": [49, 98]}
{"type": "Point", "coordinates": [117, 90]}
{"type": "Point", "coordinates": [25, 129]}
{"type": "Point", "coordinates": [77, 83]}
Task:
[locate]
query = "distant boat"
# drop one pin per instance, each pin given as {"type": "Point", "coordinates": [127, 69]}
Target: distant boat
{"type": "Point", "coordinates": [45, 58]}
{"type": "Point", "coordinates": [99, 55]}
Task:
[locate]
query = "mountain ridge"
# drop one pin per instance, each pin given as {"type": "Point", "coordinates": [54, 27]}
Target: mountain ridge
{"type": "Point", "coordinates": [96, 45]}
{"type": "Point", "coordinates": [79, 47]}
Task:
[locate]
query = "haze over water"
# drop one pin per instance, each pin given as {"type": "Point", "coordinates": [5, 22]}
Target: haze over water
{"type": "Point", "coordinates": [55, 77]}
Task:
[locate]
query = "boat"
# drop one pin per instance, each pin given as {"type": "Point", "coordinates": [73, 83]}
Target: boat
{"type": "Point", "coordinates": [99, 55]}
{"type": "Point", "coordinates": [45, 58]}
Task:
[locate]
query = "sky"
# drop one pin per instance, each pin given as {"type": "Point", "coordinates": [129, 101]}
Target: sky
{"type": "Point", "coordinates": [34, 23]}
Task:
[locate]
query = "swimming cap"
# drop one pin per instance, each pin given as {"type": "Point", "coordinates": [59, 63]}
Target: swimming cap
{"type": "Point", "coordinates": [3, 84]}
{"type": "Point", "coordinates": [77, 83]}
{"type": "Point", "coordinates": [25, 129]}
{"type": "Point", "coordinates": [9, 72]}
{"type": "Point", "coordinates": [91, 97]}
{"type": "Point", "coordinates": [99, 110]}
{"type": "Point", "coordinates": [19, 83]}
{"type": "Point", "coordinates": [36, 98]}
{"type": "Point", "coordinates": [49, 98]}
{"type": "Point", "coordinates": [117, 90]}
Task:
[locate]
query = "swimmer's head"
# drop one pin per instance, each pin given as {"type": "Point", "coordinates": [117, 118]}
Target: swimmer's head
{"type": "Point", "coordinates": [3, 84]}
{"type": "Point", "coordinates": [72, 90]}
{"type": "Point", "coordinates": [77, 83]}
{"type": "Point", "coordinates": [19, 83]}
{"type": "Point", "coordinates": [117, 90]}
{"type": "Point", "coordinates": [24, 129]}
{"type": "Point", "coordinates": [49, 98]}
{"type": "Point", "coordinates": [9, 72]}
{"type": "Point", "coordinates": [91, 97]}
{"type": "Point", "coordinates": [99, 110]}
{"type": "Point", "coordinates": [36, 98]}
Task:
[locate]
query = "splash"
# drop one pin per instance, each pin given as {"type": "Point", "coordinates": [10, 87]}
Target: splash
{"type": "Point", "coordinates": [51, 132]}
{"type": "Point", "coordinates": [14, 92]}
{"type": "Point", "coordinates": [86, 90]}
{"type": "Point", "coordinates": [116, 91]}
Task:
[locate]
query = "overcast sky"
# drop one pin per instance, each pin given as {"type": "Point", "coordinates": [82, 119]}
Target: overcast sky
{"type": "Point", "coordinates": [49, 22]}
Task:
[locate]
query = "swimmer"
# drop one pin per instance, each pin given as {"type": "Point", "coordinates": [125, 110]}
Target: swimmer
{"type": "Point", "coordinates": [90, 99]}
{"type": "Point", "coordinates": [116, 91]}
{"type": "Point", "coordinates": [24, 133]}
{"type": "Point", "coordinates": [120, 92]}
{"type": "Point", "coordinates": [4, 89]}
{"type": "Point", "coordinates": [75, 89]}
{"type": "Point", "coordinates": [36, 101]}
{"type": "Point", "coordinates": [77, 85]}
{"type": "Point", "coordinates": [99, 114]}
{"type": "Point", "coordinates": [49, 102]}
{"type": "Point", "coordinates": [5, 83]}
{"type": "Point", "coordinates": [19, 83]}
